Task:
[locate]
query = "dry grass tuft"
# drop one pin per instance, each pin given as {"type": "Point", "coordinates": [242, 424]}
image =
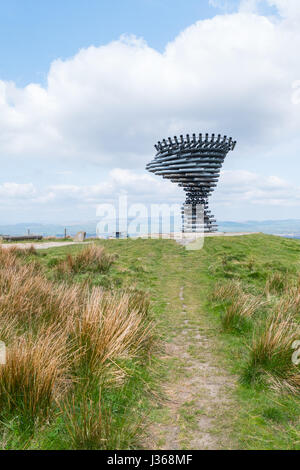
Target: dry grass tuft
{"type": "Point", "coordinates": [139, 300]}
{"type": "Point", "coordinates": [59, 336]}
{"type": "Point", "coordinates": [239, 306]}
{"type": "Point", "coordinates": [91, 258]}
{"type": "Point", "coordinates": [226, 291]}
{"type": "Point", "coordinates": [36, 372]}
{"type": "Point", "coordinates": [108, 329]}
{"type": "Point", "coordinates": [277, 337]}
{"type": "Point", "coordinates": [28, 251]}
{"type": "Point", "coordinates": [290, 384]}
{"type": "Point", "coordinates": [276, 284]}
{"type": "Point", "coordinates": [290, 301]}
{"type": "Point", "coordinates": [28, 297]}
{"type": "Point", "coordinates": [271, 352]}
{"type": "Point", "coordinates": [239, 313]}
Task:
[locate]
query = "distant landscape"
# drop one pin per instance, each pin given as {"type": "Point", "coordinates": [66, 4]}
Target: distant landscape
{"type": "Point", "coordinates": [288, 228]}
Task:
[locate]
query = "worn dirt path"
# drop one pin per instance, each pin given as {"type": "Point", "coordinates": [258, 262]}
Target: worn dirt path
{"type": "Point", "coordinates": [197, 409]}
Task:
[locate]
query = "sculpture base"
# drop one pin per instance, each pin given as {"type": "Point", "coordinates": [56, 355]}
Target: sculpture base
{"type": "Point", "coordinates": [197, 218]}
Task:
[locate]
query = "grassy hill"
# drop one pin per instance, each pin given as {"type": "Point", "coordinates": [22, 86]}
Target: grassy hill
{"type": "Point", "coordinates": [241, 298]}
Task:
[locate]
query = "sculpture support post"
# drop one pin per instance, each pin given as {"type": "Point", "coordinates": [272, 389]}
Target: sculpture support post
{"type": "Point", "coordinates": [194, 163]}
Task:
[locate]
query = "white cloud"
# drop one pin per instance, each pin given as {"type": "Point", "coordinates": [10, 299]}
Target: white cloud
{"type": "Point", "coordinates": [17, 191]}
{"type": "Point", "coordinates": [287, 8]}
{"type": "Point", "coordinates": [225, 5]}
{"type": "Point", "coordinates": [249, 6]}
{"type": "Point", "coordinates": [142, 188]}
{"type": "Point", "coordinates": [109, 104]}
{"type": "Point", "coordinates": [236, 73]}
{"type": "Point", "coordinates": [239, 186]}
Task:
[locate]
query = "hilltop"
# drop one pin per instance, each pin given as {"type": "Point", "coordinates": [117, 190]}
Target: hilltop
{"type": "Point", "coordinates": [202, 369]}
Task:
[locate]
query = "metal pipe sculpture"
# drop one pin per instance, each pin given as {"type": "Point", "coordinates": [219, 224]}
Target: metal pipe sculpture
{"type": "Point", "coordinates": [194, 163]}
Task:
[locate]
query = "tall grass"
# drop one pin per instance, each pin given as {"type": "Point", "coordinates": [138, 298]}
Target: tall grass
{"type": "Point", "coordinates": [35, 374]}
{"type": "Point", "coordinates": [274, 330]}
{"type": "Point", "coordinates": [290, 299]}
{"type": "Point", "coordinates": [238, 307]}
{"type": "Point", "coordinates": [91, 258]}
{"type": "Point", "coordinates": [62, 337]}
{"type": "Point", "coordinates": [226, 291]}
{"type": "Point", "coordinates": [28, 298]}
{"type": "Point", "coordinates": [88, 424]}
{"type": "Point", "coordinates": [107, 329]}
{"type": "Point", "coordinates": [276, 284]}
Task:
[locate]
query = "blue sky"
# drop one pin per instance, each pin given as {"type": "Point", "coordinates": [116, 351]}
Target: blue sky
{"type": "Point", "coordinates": [33, 33]}
{"type": "Point", "coordinates": [88, 86]}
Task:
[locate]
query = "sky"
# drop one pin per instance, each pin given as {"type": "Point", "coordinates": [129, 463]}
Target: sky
{"type": "Point", "coordinates": [87, 87]}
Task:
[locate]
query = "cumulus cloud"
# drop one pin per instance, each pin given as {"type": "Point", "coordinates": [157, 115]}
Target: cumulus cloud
{"type": "Point", "coordinates": [141, 188]}
{"type": "Point", "coordinates": [235, 73]}
{"type": "Point", "coordinates": [287, 8]}
{"type": "Point", "coordinates": [109, 104]}
{"type": "Point", "coordinates": [240, 186]}
{"type": "Point", "coordinates": [17, 191]}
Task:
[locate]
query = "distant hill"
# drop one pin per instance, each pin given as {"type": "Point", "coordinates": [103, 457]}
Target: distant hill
{"type": "Point", "coordinates": [47, 229]}
{"type": "Point", "coordinates": [288, 227]}
{"type": "Point", "coordinates": [279, 227]}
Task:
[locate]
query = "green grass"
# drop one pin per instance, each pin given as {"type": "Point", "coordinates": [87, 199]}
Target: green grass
{"type": "Point", "coordinates": [268, 419]}
{"type": "Point", "coordinates": [260, 418]}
